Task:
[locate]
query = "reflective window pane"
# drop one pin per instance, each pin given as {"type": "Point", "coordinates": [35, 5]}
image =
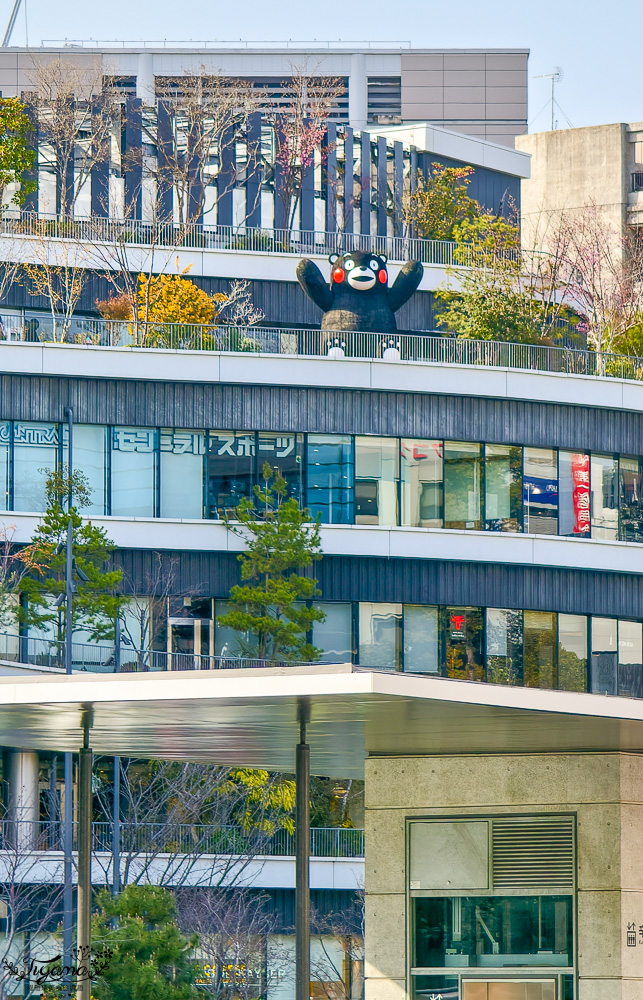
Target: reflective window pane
{"type": "Point", "coordinates": [376, 480]}
{"type": "Point", "coordinates": [572, 652]}
{"type": "Point", "coordinates": [503, 488]}
{"type": "Point", "coordinates": [604, 660]}
{"type": "Point", "coordinates": [335, 634]}
{"type": "Point", "coordinates": [631, 499]}
{"type": "Point", "coordinates": [227, 642]}
{"type": "Point", "coordinates": [181, 458]}
{"type": "Point", "coordinates": [284, 454]}
{"type": "Point", "coordinates": [604, 496]}
{"type": "Point", "coordinates": [5, 465]}
{"type": "Point", "coordinates": [330, 477]}
{"type": "Point", "coordinates": [630, 659]}
{"type": "Point", "coordinates": [379, 635]}
{"type": "Point", "coordinates": [133, 471]}
{"type": "Point", "coordinates": [90, 444]}
{"type": "Point", "coordinates": [463, 643]}
{"type": "Point", "coordinates": [540, 649]}
{"type": "Point", "coordinates": [540, 491]}
{"type": "Point", "coordinates": [35, 454]}
{"type": "Point", "coordinates": [230, 469]}
{"type": "Point", "coordinates": [504, 646]}
{"type": "Point", "coordinates": [421, 639]}
{"type": "Point", "coordinates": [462, 484]}
{"type": "Point", "coordinates": [573, 476]}
{"type": "Point", "coordinates": [421, 483]}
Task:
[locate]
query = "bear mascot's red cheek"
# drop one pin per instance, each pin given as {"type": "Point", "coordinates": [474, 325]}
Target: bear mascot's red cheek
{"type": "Point", "coordinates": [338, 274]}
{"type": "Point", "coordinates": [382, 276]}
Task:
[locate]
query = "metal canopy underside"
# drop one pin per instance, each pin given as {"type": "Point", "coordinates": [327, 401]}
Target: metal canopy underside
{"type": "Point", "coordinates": [249, 717]}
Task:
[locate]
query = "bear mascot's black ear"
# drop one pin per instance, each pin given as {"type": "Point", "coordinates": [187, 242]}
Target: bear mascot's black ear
{"type": "Point", "coordinates": [382, 257]}
{"type": "Point", "coordinates": [333, 257]}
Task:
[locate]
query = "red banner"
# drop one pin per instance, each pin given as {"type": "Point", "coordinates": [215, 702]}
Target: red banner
{"type": "Point", "coordinates": [580, 495]}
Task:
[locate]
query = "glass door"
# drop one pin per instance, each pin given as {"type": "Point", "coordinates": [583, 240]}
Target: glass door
{"type": "Point", "coordinates": [509, 989]}
{"type": "Point", "coordinates": [188, 643]}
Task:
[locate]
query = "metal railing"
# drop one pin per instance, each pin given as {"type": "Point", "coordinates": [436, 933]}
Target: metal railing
{"type": "Point", "coordinates": [166, 235]}
{"type": "Point", "coordinates": [184, 838]}
{"type": "Point", "coordinates": [334, 345]}
{"type": "Point", "coordinates": [103, 658]}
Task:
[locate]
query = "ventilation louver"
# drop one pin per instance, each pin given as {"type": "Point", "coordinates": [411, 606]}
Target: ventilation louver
{"type": "Point", "coordinates": [533, 854]}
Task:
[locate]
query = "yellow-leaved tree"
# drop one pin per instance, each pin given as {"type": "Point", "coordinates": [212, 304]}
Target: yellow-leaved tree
{"type": "Point", "coordinates": [175, 312]}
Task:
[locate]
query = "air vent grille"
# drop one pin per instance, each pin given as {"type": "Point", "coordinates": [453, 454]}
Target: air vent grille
{"type": "Point", "coordinates": [530, 854]}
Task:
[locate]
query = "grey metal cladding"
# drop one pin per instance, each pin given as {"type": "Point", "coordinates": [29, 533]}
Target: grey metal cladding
{"type": "Point", "coordinates": [411, 581]}
{"type": "Point", "coordinates": [320, 410]}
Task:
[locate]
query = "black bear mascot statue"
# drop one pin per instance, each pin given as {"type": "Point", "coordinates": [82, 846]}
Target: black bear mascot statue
{"type": "Point", "coordinates": [358, 297]}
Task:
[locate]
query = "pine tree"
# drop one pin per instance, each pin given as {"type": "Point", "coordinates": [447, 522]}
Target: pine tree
{"type": "Point", "coordinates": [95, 603]}
{"type": "Point", "coordinates": [272, 608]}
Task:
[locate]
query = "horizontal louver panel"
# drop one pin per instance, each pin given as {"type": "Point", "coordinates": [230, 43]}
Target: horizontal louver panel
{"type": "Point", "coordinates": [533, 854]}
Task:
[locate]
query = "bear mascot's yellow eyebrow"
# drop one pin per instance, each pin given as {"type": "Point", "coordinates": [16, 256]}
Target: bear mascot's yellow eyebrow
{"type": "Point", "coordinates": [358, 297]}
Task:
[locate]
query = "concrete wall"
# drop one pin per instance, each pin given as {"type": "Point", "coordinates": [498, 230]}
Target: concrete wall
{"type": "Point", "coordinates": [573, 167]}
{"type": "Point", "coordinates": [604, 790]}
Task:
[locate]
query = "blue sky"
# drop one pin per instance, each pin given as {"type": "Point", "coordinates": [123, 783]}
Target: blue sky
{"type": "Point", "coordinates": [598, 45]}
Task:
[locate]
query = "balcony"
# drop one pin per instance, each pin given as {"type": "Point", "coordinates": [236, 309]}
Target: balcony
{"type": "Point", "coordinates": [422, 347]}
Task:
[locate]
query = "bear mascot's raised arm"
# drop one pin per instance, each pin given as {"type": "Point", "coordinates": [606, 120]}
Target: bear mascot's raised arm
{"type": "Point", "coordinates": [358, 297]}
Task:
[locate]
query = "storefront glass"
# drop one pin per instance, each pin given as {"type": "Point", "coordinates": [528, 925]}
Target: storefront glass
{"type": "Point", "coordinates": [90, 445]}
{"type": "Point", "coordinates": [35, 454]}
{"type": "Point", "coordinates": [540, 649]}
{"type": "Point", "coordinates": [503, 487]}
{"type": "Point", "coordinates": [631, 499]}
{"type": "Point", "coordinates": [133, 471]}
{"type": "Point", "coordinates": [230, 470]}
{"type": "Point", "coordinates": [421, 483]}
{"type": "Point", "coordinates": [5, 465]}
{"type": "Point", "coordinates": [604, 661]}
{"type": "Point", "coordinates": [504, 646]}
{"type": "Point", "coordinates": [540, 491]}
{"type": "Point", "coordinates": [573, 481]}
{"type": "Point", "coordinates": [572, 652]}
{"type": "Point", "coordinates": [421, 639]}
{"type": "Point", "coordinates": [604, 496]}
{"type": "Point", "coordinates": [463, 643]}
{"type": "Point", "coordinates": [376, 480]}
{"type": "Point", "coordinates": [462, 484]}
{"type": "Point", "coordinates": [630, 659]}
{"type": "Point", "coordinates": [330, 477]}
{"type": "Point", "coordinates": [335, 635]}
{"type": "Point", "coordinates": [380, 635]}
{"type": "Point", "coordinates": [181, 458]}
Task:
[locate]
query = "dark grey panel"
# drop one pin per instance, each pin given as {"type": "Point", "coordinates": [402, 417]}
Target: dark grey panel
{"type": "Point", "coordinates": [105, 401]}
{"type": "Point", "coordinates": [413, 581]}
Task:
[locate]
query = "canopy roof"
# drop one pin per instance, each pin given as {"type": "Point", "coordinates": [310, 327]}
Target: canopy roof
{"type": "Point", "coordinates": [250, 717]}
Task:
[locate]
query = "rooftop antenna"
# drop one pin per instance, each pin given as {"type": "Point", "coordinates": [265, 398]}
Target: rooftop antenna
{"type": "Point", "coordinates": [11, 24]}
{"type": "Point", "coordinates": [555, 78]}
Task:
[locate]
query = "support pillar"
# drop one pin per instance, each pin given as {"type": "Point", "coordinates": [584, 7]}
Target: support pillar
{"type": "Point", "coordinates": [84, 938]}
{"type": "Point", "coordinates": [302, 859]}
{"type": "Point", "coordinates": [23, 799]}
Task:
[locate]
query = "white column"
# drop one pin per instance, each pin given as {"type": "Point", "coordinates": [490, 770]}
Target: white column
{"type": "Point", "coordinates": [145, 77]}
{"type": "Point", "coordinates": [357, 92]}
{"type": "Point", "coordinates": [24, 810]}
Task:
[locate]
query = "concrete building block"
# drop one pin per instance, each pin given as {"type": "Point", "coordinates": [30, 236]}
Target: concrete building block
{"type": "Point", "coordinates": [464, 60]}
{"type": "Point", "coordinates": [505, 77]}
{"type": "Point", "coordinates": [385, 917]}
{"type": "Point", "coordinates": [631, 824]}
{"type": "Point", "coordinates": [423, 78]}
{"type": "Point", "coordinates": [599, 933]}
{"type": "Point", "coordinates": [464, 95]}
{"type": "Point", "coordinates": [464, 78]}
{"type": "Point", "coordinates": [506, 95]}
{"type": "Point", "coordinates": [507, 60]}
{"type": "Point", "coordinates": [454, 110]}
{"type": "Point", "coordinates": [385, 989]}
{"type": "Point", "coordinates": [385, 860]}
{"type": "Point", "coordinates": [598, 827]}
{"type": "Point", "coordinates": [422, 61]}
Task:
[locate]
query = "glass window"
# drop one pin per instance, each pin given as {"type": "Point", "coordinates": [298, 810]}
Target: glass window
{"type": "Point", "coordinates": [630, 659]}
{"type": "Point", "coordinates": [379, 635]}
{"type": "Point", "coordinates": [462, 484]}
{"type": "Point", "coordinates": [5, 465]}
{"type": "Point", "coordinates": [376, 480]}
{"type": "Point", "coordinates": [231, 469]}
{"type": "Point", "coordinates": [133, 471]}
{"type": "Point", "coordinates": [540, 491]}
{"type": "Point", "coordinates": [35, 454]}
{"type": "Point", "coordinates": [572, 652]}
{"type": "Point", "coordinates": [604, 656]}
{"type": "Point", "coordinates": [330, 477]}
{"type": "Point", "coordinates": [227, 642]}
{"type": "Point", "coordinates": [492, 931]}
{"type": "Point", "coordinates": [181, 458]}
{"type": "Point", "coordinates": [631, 497]}
{"type": "Point", "coordinates": [573, 482]}
{"type": "Point", "coordinates": [421, 639]}
{"type": "Point", "coordinates": [90, 457]}
{"type": "Point", "coordinates": [503, 487]}
{"type": "Point", "coordinates": [463, 643]}
{"type": "Point", "coordinates": [504, 646]}
{"type": "Point", "coordinates": [540, 649]}
{"type": "Point", "coordinates": [604, 496]}
{"type": "Point", "coordinates": [421, 483]}
{"type": "Point", "coordinates": [284, 453]}
{"type": "Point", "coordinates": [335, 634]}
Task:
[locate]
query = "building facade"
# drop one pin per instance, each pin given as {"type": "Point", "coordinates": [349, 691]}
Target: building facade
{"type": "Point", "coordinates": [475, 91]}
